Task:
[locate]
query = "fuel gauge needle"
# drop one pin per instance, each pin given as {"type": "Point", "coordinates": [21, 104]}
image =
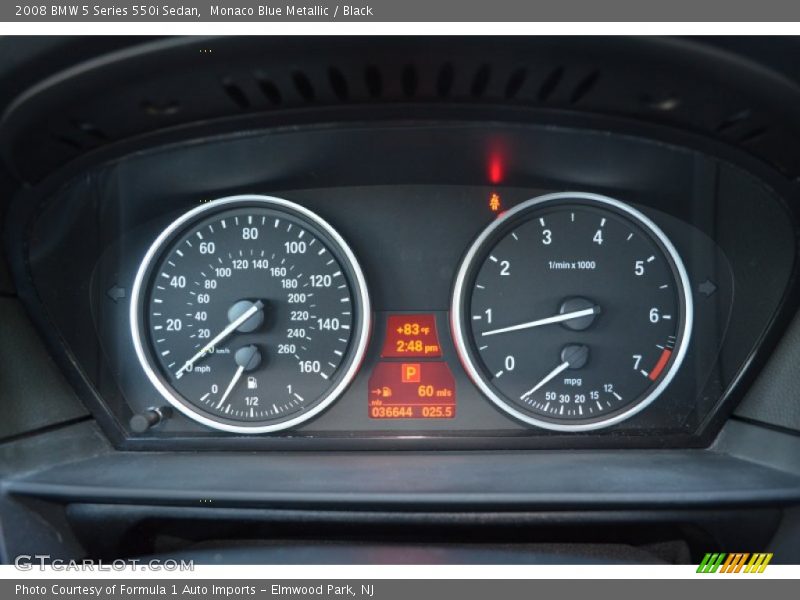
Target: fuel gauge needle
{"type": "Point", "coordinates": [554, 373]}
{"type": "Point", "coordinates": [236, 377]}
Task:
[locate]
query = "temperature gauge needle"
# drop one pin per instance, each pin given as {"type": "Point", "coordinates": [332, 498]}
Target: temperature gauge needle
{"type": "Point", "coordinates": [236, 377]}
{"type": "Point", "coordinates": [554, 373]}
{"type": "Point", "coordinates": [257, 306]}
{"type": "Point", "coordinates": [578, 314]}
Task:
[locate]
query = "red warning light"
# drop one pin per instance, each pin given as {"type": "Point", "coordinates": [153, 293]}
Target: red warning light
{"type": "Point", "coordinates": [495, 169]}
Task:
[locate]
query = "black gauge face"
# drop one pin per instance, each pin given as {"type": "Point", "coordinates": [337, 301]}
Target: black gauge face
{"type": "Point", "coordinates": [250, 314]}
{"type": "Point", "coordinates": [571, 312]}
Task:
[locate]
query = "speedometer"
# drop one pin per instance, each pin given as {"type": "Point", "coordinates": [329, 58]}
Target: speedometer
{"type": "Point", "coordinates": [250, 314]}
{"type": "Point", "coordinates": [572, 311]}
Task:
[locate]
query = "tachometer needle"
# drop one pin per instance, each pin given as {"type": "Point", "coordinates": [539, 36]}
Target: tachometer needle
{"type": "Point", "coordinates": [257, 306]}
{"type": "Point", "coordinates": [586, 312]}
{"type": "Point", "coordinates": [562, 367]}
{"type": "Point", "coordinates": [231, 385]}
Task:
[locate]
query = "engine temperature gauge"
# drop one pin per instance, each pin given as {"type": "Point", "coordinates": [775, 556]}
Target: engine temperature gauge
{"type": "Point", "coordinates": [571, 311]}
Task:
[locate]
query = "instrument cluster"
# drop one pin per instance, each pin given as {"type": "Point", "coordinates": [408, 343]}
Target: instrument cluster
{"type": "Point", "coordinates": [269, 294]}
{"type": "Point", "coordinates": [570, 312]}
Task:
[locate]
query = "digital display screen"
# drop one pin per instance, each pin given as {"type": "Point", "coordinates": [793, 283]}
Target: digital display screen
{"type": "Point", "coordinates": [411, 336]}
{"type": "Point", "coordinates": [412, 390]}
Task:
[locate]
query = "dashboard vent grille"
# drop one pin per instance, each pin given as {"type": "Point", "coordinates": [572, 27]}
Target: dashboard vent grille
{"type": "Point", "coordinates": [550, 84]}
{"type": "Point", "coordinates": [515, 83]}
{"type": "Point", "coordinates": [160, 86]}
{"type": "Point", "coordinates": [444, 80]}
{"type": "Point", "coordinates": [303, 86]}
{"type": "Point", "coordinates": [584, 87]}
{"type": "Point", "coordinates": [481, 81]}
{"type": "Point", "coordinates": [410, 81]}
{"type": "Point", "coordinates": [338, 84]}
{"type": "Point", "coordinates": [236, 94]}
{"type": "Point", "coordinates": [374, 81]}
{"type": "Point", "coordinates": [270, 91]}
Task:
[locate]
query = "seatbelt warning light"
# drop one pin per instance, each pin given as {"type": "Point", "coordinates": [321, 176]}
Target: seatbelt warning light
{"type": "Point", "coordinates": [494, 202]}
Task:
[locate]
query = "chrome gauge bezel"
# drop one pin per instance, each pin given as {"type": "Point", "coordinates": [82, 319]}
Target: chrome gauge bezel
{"type": "Point", "coordinates": [358, 344]}
{"type": "Point", "coordinates": [459, 301]}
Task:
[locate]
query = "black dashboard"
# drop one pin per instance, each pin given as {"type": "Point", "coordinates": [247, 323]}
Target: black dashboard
{"type": "Point", "coordinates": [454, 282]}
{"type": "Point", "coordinates": [407, 266]}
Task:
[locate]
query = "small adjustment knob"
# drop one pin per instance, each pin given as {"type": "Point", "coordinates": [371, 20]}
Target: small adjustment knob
{"type": "Point", "coordinates": [148, 419]}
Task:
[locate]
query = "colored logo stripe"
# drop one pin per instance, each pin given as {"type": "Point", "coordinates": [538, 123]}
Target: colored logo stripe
{"type": "Point", "coordinates": [711, 562]}
{"type": "Point", "coordinates": [759, 561]}
{"type": "Point", "coordinates": [734, 562]}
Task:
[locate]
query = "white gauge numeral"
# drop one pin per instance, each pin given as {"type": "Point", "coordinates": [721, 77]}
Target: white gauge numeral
{"type": "Point", "coordinates": [310, 366]}
{"type": "Point", "coordinates": [295, 247]}
{"type": "Point", "coordinates": [320, 281]}
{"type": "Point", "coordinates": [505, 268]}
{"type": "Point", "coordinates": [655, 317]}
{"type": "Point", "coordinates": [598, 237]}
{"type": "Point", "coordinates": [639, 268]}
{"type": "Point", "coordinates": [637, 358]}
{"type": "Point", "coordinates": [328, 324]}
{"type": "Point", "coordinates": [547, 237]}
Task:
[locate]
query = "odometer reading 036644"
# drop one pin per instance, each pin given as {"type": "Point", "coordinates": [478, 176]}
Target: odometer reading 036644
{"type": "Point", "coordinates": [250, 314]}
{"type": "Point", "coordinates": [571, 311]}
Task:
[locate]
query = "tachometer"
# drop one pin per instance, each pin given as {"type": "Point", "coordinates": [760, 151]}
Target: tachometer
{"type": "Point", "coordinates": [572, 311]}
{"type": "Point", "coordinates": [250, 314]}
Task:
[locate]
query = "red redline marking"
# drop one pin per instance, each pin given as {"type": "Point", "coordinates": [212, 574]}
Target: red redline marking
{"type": "Point", "coordinates": [662, 362]}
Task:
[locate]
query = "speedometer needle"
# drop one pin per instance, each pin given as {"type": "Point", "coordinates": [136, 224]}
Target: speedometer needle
{"type": "Point", "coordinates": [235, 324]}
{"type": "Point", "coordinates": [586, 312]}
{"type": "Point", "coordinates": [562, 367]}
{"type": "Point", "coordinates": [231, 385]}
